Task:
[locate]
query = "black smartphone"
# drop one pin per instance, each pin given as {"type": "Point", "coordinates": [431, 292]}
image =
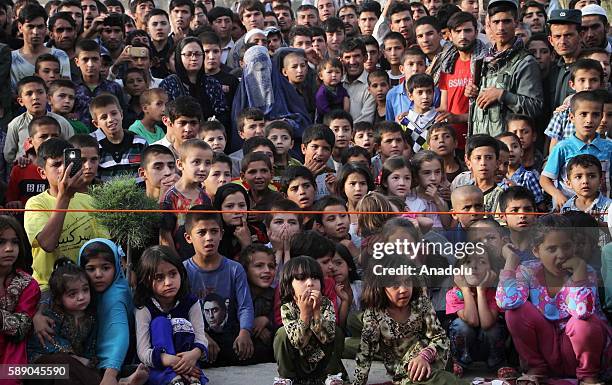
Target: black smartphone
{"type": "Point", "coordinates": [73, 156]}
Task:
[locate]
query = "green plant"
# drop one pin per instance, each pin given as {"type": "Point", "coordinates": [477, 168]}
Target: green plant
{"type": "Point", "coordinates": [133, 230]}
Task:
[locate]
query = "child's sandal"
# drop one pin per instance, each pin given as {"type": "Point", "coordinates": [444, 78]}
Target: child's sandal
{"type": "Point", "coordinates": [508, 374]}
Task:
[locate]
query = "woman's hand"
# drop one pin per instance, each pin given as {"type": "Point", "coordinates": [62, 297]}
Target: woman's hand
{"type": "Point", "coordinates": [43, 328]}
{"type": "Point", "coordinates": [187, 361]}
{"type": "Point", "coordinates": [418, 369]}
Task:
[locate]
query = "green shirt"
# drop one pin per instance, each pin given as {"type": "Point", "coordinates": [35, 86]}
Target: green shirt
{"type": "Point", "coordinates": [139, 129]}
{"type": "Point", "coordinates": [79, 127]}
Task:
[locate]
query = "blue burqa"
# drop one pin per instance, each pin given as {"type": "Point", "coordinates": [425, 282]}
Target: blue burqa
{"type": "Point", "coordinates": [264, 87]}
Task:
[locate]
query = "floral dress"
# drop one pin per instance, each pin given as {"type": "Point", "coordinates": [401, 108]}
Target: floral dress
{"type": "Point", "coordinates": [398, 343]}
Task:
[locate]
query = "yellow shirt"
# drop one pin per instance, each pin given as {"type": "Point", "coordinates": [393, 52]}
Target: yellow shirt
{"type": "Point", "coordinates": [78, 228]}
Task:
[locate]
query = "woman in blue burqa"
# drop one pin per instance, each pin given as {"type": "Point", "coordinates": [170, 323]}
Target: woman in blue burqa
{"type": "Point", "coordinates": [264, 87]}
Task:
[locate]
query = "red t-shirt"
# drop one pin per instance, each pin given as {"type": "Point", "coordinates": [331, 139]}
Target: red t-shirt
{"type": "Point", "coordinates": [454, 84]}
{"type": "Point", "coordinates": [24, 183]}
{"type": "Point", "coordinates": [454, 300]}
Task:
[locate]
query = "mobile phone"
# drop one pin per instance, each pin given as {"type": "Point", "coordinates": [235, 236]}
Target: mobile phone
{"type": "Point", "coordinates": [73, 156]}
{"type": "Point", "coordinates": [138, 52]}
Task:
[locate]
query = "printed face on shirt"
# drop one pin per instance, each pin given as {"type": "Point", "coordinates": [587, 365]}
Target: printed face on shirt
{"type": "Point", "coordinates": [261, 270]}
{"type": "Point", "coordinates": [585, 181]}
{"type": "Point", "coordinates": [34, 98]}
{"type": "Point", "coordinates": [215, 139]}
{"type": "Point", "coordinates": [302, 192]}
{"type": "Point", "coordinates": [9, 248]}
{"type": "Point", "coordinates": [220, 174]}
{"type": "Point", "coordinates": [215, 315]}
{"type": "Point", "coordinates": [205, 236]}
{"type": "Point", "coordinates": [336, 224]}
{"type": "Point", "coordinates": [77, 296]}
{"type": "Point", "coordinates": [195, 164]}
{"type": "Point", "coordinates": [281, 140]}
{"type": "Point", "coordinates": [101, 273]}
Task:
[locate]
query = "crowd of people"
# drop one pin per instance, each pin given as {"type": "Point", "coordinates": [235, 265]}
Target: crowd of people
{"type": "Point", "coordinates": [287, 146]}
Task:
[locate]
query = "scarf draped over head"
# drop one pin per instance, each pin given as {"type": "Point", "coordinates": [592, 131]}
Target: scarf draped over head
{"type": "Point", "coordinates": [257, 78]}
{"type": "Point", "coordinates": [264, 87]}
{"type": "Point", "coordinates": [114, 309]}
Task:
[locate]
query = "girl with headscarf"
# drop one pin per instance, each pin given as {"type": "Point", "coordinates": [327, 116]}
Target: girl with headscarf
{"type": "Point", "coordinates": [190, 80]}
{"type": "Point", "coordinates": [101, 260]}
{"type": "Point", "coordinates": [264, 87]}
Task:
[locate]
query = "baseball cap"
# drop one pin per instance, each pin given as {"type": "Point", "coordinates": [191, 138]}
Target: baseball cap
{"type": "Point", "coordinates": [565, 16]}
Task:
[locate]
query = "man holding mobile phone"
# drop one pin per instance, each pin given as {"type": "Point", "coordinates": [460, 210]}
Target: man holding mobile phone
{"type": "Point", "coordinates": [136, 55]}
{"type": "Point", "coordinates": [55, 234]}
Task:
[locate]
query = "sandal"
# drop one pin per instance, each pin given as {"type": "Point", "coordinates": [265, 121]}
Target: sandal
{"type": "Point", "coordinates": [508, 374]}
{"type": "Point", "coordinates": [531, 379]}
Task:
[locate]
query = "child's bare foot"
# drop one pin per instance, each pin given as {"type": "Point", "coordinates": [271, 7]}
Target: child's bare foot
{"type": "Point", "coordinates": [139, 377]}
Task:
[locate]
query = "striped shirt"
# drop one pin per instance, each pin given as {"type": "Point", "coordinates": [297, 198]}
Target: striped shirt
{"type": "Point", "coordinates": [119, 159]}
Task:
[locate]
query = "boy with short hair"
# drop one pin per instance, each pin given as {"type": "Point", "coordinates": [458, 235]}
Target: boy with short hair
{"type": "Point", "coordinates": [390, 141]}
{"type": "Point", "coordinates": [280, 133]}
{"type": "Point", "coordinates": [153, 103]}
{"type": "Point", "coordinates": [25, 182]}
{"type": "Point", "coordinates": [364, 136]}
{"type": "Point", "coordinates": [518, 200]}
{"type": "Point", "coordinates": [213, 66]}
{"type": "Point", "coordinates": [585, 112]}
{"type": "Point", "coordinates": [336, 224]}
{"type": "Point", "coordinates": [213, 133]}
{"type": "Point", "coordinates": [356, 154]}
{"type": "Point", "coordinates": [394, 45]}
{"type": "Point", "coordinates": [585, 75]}
{"type": "Point", "coordinates": [182, 117]}
{"type": "Point", "coordinates": [90, 159]}
{"type": "Point", "coordinates": [299, 185]}
{"type": "Point", "coordinates": [442, 139]}
{"type": "Point", "coordinates": [398, 103]}
{"type": "Point", "coordinates": [222, 287]}
{"type": "Point", "coordinates": [523, 126]}
{"type": "Point", "coordinates": [256, 176]}
{"type": "Point", "coordinates": [318, 141]}
{"type": "Point", "coordinates": [120, 150]}
{"type": "Point", "coordinates": [422, 115]}
{"type": "Point", "coordinates": [157, 170]}
{"type": "Point", "coordinates": [605, 127]}
{"type": "Point", "coordinates": [341, 124]}
{"type": "Point", "coordinates": [516, 172]}
{"type": "Point", "coordinates": [194, 164]}
{"type": "Point", "coordinates": [378, 87]}
{"type": "Point", "coordinates": [481, 158]}
{"type": "Point", "coordinates": [251, 122]}
{"type": "Point", "coordinates": [220, 174]}
{"type": "Point", "coordinates": [62, 94]}
{"type": "Point", "coordinates": [465, 199]}
{"type": "Point", "coordinates": [55, 234]}
{"type": "Point", "coordinates": [584, 173]}
{"type": "Point", "coordinates": [47, 67]}
{"type": "Point", "coordinates": [88, 59]}
{"type": "Point", "coordinates": [31, 94]}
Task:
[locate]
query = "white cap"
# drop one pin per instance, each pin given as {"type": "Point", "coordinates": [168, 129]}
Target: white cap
{"type": "Point", "coordinates": [252, 32]}
{"type": "Point", "coordinates": [594, 9]}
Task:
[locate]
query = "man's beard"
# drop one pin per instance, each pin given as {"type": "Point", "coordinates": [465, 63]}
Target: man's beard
{"type": "Point", "coordinates": [467, 48]}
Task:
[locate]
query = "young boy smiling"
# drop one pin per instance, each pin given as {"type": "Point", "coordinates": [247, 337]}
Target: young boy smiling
{"type": "Point", "coordinates": [120, 150]}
